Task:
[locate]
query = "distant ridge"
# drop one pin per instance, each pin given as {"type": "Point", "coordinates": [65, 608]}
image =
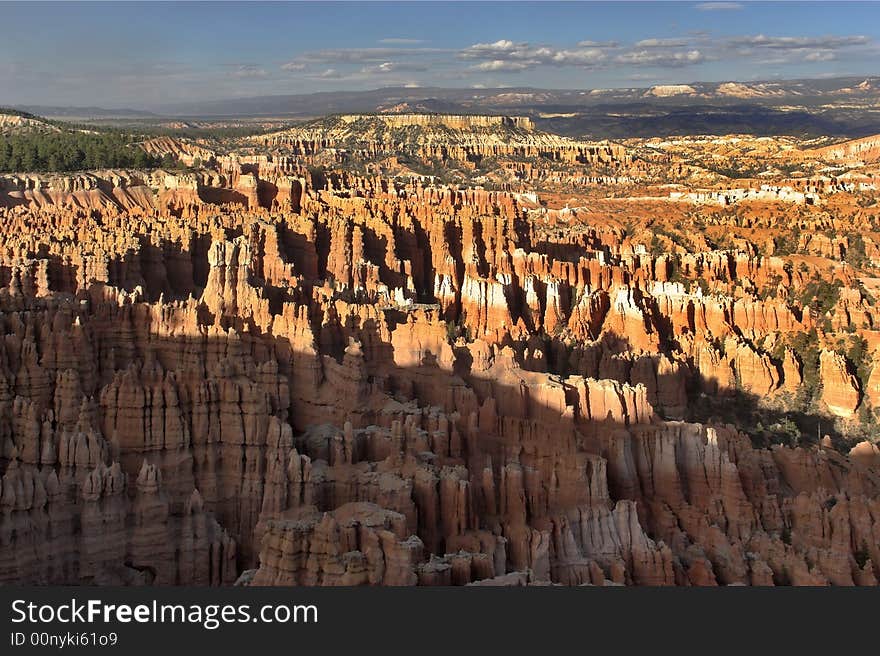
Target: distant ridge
{"type": "Point", "coordinates": [500, 100]}
{"type": "Point", "coordinates": [83, 112]}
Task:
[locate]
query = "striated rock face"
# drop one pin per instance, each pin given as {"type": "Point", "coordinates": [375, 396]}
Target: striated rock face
{"type": "Point", "coordinates": [256, 374]}
{"type": "Point", "coordinates": [457, 138]}
{"type": "Point", "coordinates": [840, 389]}
{"type": "Point", "coordinates": [355, 544]}
{"type": "Point", "coordinates": [866, 149]}
{"type": "Point", "coordinates": [456, 122]}
{"type": "Point", "coordinates": [95, 525]}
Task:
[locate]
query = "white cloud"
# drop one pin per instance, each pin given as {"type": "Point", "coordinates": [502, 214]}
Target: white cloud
{"type": "Point", "coordinates": [500, 65]}
{"type": "Point", "coordinates": [660, 58]}
{"type": "Point", "coordinates": [597, 44]}
{"type": "Point", "coordinates": [393, 67]}
{"type": "Point", "coordinates": [661, 43]}
{"type": "Point", "coordinates": [719, 6]}
{"type": "Point", "coordinates": [328, 74]}
{"type": "Point", "coordinates": [502, 46]}
{"type": "Point", "coordinates": [798, 42]}
{"type": "Point", "coordinates": [585, 57]}
{"type": "Point", "coordinates": [506, 55]}
{"type": "Point", "coordinates": [396, 56]}
{"type": "Point", "coordinates": [248, 71]}
{"type": "Point", "coordinates": [820, 56]}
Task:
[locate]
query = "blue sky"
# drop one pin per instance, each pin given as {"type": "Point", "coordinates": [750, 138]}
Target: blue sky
{"type": "Point", "coordinates": [147, 54]}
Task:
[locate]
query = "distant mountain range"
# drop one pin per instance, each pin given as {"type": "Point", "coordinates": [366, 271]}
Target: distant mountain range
{"type": "Point", "coordinates": [844, 106]}
{"type": "Point", "coordinates": [436, 99]}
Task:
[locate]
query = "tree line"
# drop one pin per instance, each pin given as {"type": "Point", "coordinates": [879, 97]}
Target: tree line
{"type": "Point", "coordinates": [73, 151]}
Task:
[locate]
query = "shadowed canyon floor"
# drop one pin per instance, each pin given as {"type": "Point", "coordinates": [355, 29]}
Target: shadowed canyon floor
{"type": "Point", "coordinates": [309, 360]}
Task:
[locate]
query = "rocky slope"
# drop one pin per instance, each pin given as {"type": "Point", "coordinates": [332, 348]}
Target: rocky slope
{"type": "Point", "coordinates": [23, 123]}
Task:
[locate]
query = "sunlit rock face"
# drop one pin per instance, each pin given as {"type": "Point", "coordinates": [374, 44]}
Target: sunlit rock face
{"type": "Point", "coordinates": [253, 372]}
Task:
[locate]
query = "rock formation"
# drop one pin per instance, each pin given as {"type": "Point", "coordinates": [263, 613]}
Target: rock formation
{"type": "Point", "coordinates": [255, 370]}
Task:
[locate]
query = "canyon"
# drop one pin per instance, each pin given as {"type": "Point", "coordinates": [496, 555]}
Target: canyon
{"type": "Point", "coordinates": [412, 349]}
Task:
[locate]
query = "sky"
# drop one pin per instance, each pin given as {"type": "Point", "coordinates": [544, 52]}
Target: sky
{"type": "Point", "coordinates": [146, 55]}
